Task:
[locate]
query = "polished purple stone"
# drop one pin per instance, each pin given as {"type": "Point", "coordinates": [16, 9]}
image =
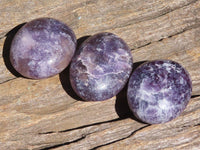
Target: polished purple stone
{"type": "Point", "coordinates": [158, 91]}
{"type": "Point", "coordinates": [42, 48]}
{"type": "Point", "coordinates": [101, 67]}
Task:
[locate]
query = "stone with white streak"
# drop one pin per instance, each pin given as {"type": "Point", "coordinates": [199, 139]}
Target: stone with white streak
{"type": "Point", "coordinates": [42, 48]}
{"type": "Point", "coordinates": [101, 67]}
{"type": "Point", "coordinates": [158, 91]}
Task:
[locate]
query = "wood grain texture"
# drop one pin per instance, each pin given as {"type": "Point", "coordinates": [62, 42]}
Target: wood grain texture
{"type": "Point", "coordinates": [46, 114]}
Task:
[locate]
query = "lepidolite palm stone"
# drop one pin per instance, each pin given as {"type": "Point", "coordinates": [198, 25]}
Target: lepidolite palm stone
{"type": "Point", "coordinates": [158, 91]}
{"type": "Point", "coordinates": [42, 48]}
{"type": "Point", "coordinates": [101, 67]}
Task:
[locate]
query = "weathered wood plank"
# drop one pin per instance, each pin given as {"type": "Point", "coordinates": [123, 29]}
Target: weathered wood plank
{"type": "Point", "coordinates": [37, 114]}
{"type": "Point", "coordinates": [180, 133]}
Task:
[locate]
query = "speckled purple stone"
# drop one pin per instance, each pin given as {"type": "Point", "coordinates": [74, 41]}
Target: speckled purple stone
{"type": "Point", "coordinates": [42, 48]}
{"type": "Point", "coordinates": [159, 91]}
{"type": "Point", "coordinates": [101, 67]}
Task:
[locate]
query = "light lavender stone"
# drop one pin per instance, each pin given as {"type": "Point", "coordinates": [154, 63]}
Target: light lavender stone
{"type": "Point", "coordinates": [42, 48]}
{"type": "Point", "coordinates": [158, 91]}
{"type": "Point", "coordinates": [101, 67]}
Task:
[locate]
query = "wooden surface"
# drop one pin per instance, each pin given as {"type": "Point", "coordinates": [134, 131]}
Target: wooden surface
{"type": "Point", "coordinates": [46, 114]}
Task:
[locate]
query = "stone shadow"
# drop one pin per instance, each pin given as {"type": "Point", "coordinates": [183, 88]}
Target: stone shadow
{"type": "Point", "coordinates": [121, 105]}
{"type": "Point", "coordinates": [6, 50]}
{"type": "Point", "coordinates": [65, 75]}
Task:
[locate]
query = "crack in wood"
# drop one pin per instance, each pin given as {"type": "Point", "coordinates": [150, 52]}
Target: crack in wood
{"type": "Point", "coordinates": [134, 132]}
{"type": "Point", "coordinates": [8, 80]}
{"type": "Point", "coordinates": [197, 125]}
{"type": "Point", "coordinates": [143, 45]}
{"type": "Point", "coordinates": [79, 139]}
{"type": "Point", "coordinates": [50, 132]}
{"type": "Point", "coordinates": [94, 124]}
{"type": "Point", "coordinates": [85, 135]}
{"type": "Point", "coordinates": [63, 144]}
{"type": "Point", "coordinates": [81, 127]}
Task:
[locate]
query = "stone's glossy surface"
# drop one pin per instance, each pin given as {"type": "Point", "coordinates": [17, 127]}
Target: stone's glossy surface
{"type": "Point", "coordinates": [42, 48]}
{"type": "Point", "coordinates": [159, 91]}
{"type": "Point", "coordinates": [101, 67]}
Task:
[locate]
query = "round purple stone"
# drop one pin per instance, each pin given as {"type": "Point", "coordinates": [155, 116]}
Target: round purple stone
{"type": "Point", "coordinates": [42, 48]}
{"type": "Point", "coordinates": [101, 67]}
{"type": "Point", "coordinates": [158, 91]}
